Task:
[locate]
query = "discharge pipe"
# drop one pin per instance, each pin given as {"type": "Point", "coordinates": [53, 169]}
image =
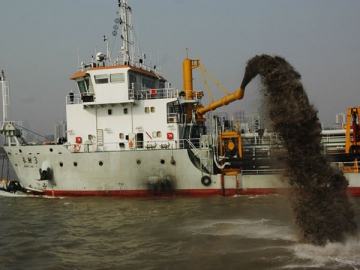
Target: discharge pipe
{"type": "Point", "coordinates": [239, 94]}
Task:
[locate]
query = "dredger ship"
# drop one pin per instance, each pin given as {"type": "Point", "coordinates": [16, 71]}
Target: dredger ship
{"type": "Point", "coordinates": [130, 134]}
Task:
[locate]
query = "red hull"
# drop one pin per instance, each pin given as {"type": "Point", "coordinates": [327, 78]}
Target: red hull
{"type": "Point", "coordinates": [353, 191]}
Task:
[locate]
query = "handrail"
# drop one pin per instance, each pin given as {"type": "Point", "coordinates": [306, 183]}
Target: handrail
{"type": "Point", "coordinates": [146, 145]}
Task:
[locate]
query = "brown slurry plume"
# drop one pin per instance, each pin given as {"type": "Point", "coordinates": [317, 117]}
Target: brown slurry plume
{"type": "Point", "coordinates": [318, 198]}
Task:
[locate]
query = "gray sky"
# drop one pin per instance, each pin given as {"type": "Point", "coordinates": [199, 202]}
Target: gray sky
{"type": "Point", "coordinates": [320, 38]}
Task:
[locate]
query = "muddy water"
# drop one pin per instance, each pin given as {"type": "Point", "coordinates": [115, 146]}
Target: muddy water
{"type": "Point", "coordinates": [318, 198]}
{"type": "Point", "coordinates": [192, 233]}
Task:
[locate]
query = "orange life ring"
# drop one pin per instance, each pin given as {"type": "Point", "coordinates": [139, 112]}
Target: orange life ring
{"type": "Point", "coordinates": [131, 144]}
{"type": "Point", "coordinates": [77, 147]}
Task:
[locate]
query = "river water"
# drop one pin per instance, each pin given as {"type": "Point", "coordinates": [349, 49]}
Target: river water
{"type": "Point", "coordinates": [240, 232]}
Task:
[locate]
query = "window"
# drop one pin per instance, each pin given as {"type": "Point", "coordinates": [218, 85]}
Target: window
{"type": "Point", "coordinates": [87, 82]}
{"type": "Point", "coordinates": [132, 79]}
{"type": "Point", "coordinates": [146, 83]}
{"type": "Point", "coordinates": [82, 87]}
{"type": "Point", "coordinates": [152, 109]}
{"type": "Point", "coordinates": [125, 110]}
{"type": "Point", "coordinates": [100, 79]}
{"type": "Point", "coordinates": [147, 109]}
{"type": "Point", "coordinates": [121, 136]}
{"type": "Point", "coordinates": [117, 78]}
{"type": "Point", "coordinates": [158, 134]}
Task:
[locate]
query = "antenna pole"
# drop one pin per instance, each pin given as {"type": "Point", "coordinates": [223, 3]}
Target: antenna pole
{"type": "Point", "coordinates": [128, 48]}
{"type": "Point", "coordinates": [5, 86]}
{"type": "Point", "coordinates": [108, 59]}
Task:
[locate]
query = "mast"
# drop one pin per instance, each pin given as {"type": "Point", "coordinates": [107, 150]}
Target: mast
{"type": "Point", "coordinates": [128, 48]}
{"type": "Point", "coordinates": [5, 86]}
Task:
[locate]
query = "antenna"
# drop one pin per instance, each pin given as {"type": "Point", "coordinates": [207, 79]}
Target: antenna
{"type": "Point", "coordinates": [108, 59]}
{"type": "Point", "coordinates": [125, 20]}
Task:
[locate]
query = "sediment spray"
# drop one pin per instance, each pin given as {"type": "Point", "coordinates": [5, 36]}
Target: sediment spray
{"type": "Point", "coordinates": [318, 196]}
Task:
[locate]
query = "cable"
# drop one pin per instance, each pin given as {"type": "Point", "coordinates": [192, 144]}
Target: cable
{"type": "Point", "coordinates": [31, 131]}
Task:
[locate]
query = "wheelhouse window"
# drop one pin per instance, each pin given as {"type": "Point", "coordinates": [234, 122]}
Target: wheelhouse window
{"type": "Point", "coordinates": [82, 86]}
{"type": "Point", "coordinates": [132, 80]}
{"type": "Point", "coordinates": [147, 83]}
{"type": "Point", "coordinates": [117, 78]}
{"type": "Point", "coordinates": [87, 82]}
{"type": "Point", "coordinates": [101, 79]}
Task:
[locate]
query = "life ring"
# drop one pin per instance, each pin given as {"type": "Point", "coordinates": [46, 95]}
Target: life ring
{"type": "Point", "coordinates": [77, 147]}
{"type": "Point", "coordinates": [131, 143]}
{"type": "Point", "coordinates": [206, 180]}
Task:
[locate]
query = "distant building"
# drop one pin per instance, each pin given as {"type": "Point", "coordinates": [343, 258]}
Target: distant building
{"type": "Point", "coordinates": [59, 130]}
{"type": "Point", "coordinates": [340, 120]}
{"type": "Point", "coordinates": [209, 116]}
{"type": "Point", "coordinates": [239, 117]}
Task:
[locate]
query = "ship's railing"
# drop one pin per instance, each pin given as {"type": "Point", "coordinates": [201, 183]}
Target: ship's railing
{"type": "Point", "coordinates": [162, 93]}
{"type": "Point", "coordinates": [262, 172]}
{"type": "Point", "coordinates": [74, 99]}
{"type": "Point", "coordinates": [342, 166]}
{"type": "Point", "coordinates": [328, 138]}
{"type": "Point", "coordinates": [138, 146]}
{"type": "Point", "coordinates": [349, 166]}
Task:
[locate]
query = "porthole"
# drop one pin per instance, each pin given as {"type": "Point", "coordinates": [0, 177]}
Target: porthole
{"type": "Point", "coordinates": [75, 164]}
{"type": "Point", "coordinates": [101, 163]}
{"type": "Point", "coordinates": [51, 149]}
{"type": "Point", "coordinates": [162, 161]}
{"type": "Point", "coordinates": [138, 161]}
{"type": "Point", "coordinates": [61, 164]}
{"type": "Point", "coordinates": [20, 150]}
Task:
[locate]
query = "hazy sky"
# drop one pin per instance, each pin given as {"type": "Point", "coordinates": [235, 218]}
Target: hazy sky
{"type": "Point", "coordinates": [320, 38]}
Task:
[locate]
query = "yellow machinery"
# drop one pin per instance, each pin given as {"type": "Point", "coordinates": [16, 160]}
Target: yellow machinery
{"type": "Point", "coordinates": [352, 131]}
{"type": "Point", "coordinates": [229, 140]}
{"type": "Point", "coordinates": [352, 146]}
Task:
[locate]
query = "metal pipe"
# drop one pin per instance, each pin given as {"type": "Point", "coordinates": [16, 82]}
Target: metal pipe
{"type": "Point", "coordinates": [239, 94]}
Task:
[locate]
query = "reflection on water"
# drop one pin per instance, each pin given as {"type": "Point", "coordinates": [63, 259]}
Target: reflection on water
{"type": "Point", "coordinates": [195, 233]}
